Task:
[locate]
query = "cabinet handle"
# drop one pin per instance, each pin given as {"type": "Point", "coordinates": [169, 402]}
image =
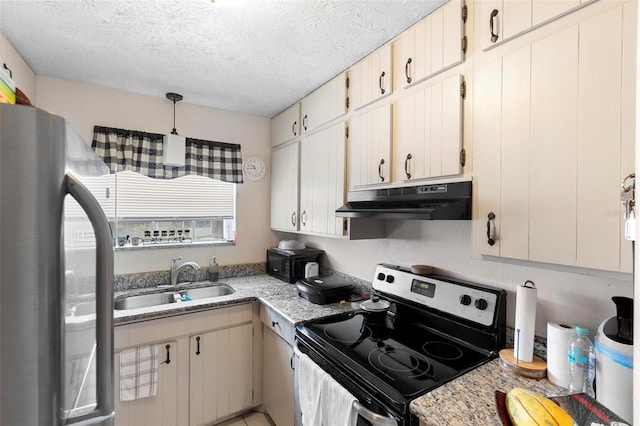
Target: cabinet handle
{"type": "Point", "coordinates": [406, 70]}
{"type": "Point", "coordinates": [291, 362]}
{"type": "Point", "coordinates": [303, 218]}
{"type": "Point", "coordinates": [493, 17]}
{"type": "Point", "coordinates": [380, 83]}
{"type": "Point", "coordinates": [293, 128]}
{"type": "Point", "coordinates": [380, 170]}
{"type": "Point", "coordinates": [198, 345]}
{"type": "Point", "coordinates": [293, 218]}
{"type": "Point", "coordinates": [406, 166]}
{"type": "Point", "coordinates": [491, 234]}
{"type": "Point", "coordinates": [274, 323]}
{"type": "Point", "coordinates": [168, 360]}
{"type": "Point", "coordinates": [304, 122]}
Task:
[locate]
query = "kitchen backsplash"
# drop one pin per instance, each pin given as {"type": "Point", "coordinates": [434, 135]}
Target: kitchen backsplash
{"type": "Point", "coordinates": [155, 278]}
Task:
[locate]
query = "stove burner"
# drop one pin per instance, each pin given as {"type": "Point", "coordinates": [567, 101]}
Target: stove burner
{"type": "Point", "coordinates": [337, 333]}
{"type": "Point", "coordinates": [407, 363]}
{"type": "Point", "coordinates": [442, 350]}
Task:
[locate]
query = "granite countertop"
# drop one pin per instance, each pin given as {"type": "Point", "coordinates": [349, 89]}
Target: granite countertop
{"type": "Point", "coordinates": [470, 399]}
{"type": "Point", "coordinates": [275, 293]}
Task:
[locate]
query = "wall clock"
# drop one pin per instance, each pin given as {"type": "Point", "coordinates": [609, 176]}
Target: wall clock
{"type": "Point", "coordinates": [254, 168]}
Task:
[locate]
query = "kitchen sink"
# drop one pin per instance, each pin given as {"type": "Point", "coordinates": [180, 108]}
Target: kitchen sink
{"type": "Point", "coordinates": [204, 292]}
{"type": "Point", "coordinates": [146, 300]}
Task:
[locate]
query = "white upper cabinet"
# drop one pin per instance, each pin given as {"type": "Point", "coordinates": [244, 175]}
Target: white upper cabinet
{"type": "Point", "coordinates": [371, 78]}
{"type": "Point", "coordinates": [325, 104]}
{"type": "Point", "coordinates": [369, 158]}
{"type": "Point", "coordinates": [286, 125]}
{"type": "Point", "coordinates": [550, 146]}
{"type": "Point", "coordinates": [432, 45]}
{"type": "Point", "coordinates": [427, 138]}
{"type": "Point", "coordinates": [285, 162]}
{"type": "Point", "coordinates": [322, 181]}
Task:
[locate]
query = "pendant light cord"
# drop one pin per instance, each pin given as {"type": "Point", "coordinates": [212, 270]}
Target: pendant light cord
{"type": "Point", "coordinates": [174, 131]}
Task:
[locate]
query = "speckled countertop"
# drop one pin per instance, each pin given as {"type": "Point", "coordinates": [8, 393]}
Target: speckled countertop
{"type": "Point", "coordinates": [470, 399]}
{"type": "Point", "coordinates": [278, 294]}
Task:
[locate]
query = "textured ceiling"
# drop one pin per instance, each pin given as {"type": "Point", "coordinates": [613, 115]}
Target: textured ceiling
{"type": "Point", "coordinates": [252, 56]}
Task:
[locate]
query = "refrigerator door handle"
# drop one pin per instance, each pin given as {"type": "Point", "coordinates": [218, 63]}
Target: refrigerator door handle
{"type": "Point", "coordinates": [104, 302]}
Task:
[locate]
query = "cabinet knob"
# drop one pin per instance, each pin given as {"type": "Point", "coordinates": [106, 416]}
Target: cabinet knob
{"type": "Point", "coordinates": [495, 29]}
{"type": "Point", "coordinates": [491, 229]}
{"type": "Point", "coordinates": [274, 323]}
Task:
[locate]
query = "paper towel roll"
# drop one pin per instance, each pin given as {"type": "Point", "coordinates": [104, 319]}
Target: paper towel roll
{"type": "Point", "coordinates": [525, 324]}
{"type": "Point", "coordinates": [558, 336]}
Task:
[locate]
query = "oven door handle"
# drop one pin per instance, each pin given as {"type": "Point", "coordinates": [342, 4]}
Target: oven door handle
{"type": "Point", "coordinates": [374, 418]}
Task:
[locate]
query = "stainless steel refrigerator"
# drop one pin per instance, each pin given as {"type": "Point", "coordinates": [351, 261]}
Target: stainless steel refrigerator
{"type": "Point", "coordinates": [56, 275]}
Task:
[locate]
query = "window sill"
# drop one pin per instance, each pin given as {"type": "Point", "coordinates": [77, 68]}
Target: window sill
{"type": "Point", "coordinates": [130, 247]}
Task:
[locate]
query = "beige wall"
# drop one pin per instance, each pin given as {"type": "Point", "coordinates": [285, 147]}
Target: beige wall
{"type": "Point", "coordinates": [85, 106]}
{"type": "Point", "coordinates": [572, 295]}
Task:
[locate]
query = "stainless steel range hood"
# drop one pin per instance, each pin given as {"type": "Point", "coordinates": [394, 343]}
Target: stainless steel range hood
{"type": "Point", "coordinates": [447, 201]}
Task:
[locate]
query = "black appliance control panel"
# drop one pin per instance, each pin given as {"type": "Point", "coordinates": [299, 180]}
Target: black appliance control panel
{"type": "Point", "coordinates": [472, 302]}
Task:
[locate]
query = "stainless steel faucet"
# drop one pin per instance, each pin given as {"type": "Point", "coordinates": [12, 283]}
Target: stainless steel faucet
{"type": "Point", "coordinates": [175, 270]}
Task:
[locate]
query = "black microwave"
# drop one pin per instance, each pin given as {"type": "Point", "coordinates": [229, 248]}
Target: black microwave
{"type": "Point", "coordinates": [288, 265]}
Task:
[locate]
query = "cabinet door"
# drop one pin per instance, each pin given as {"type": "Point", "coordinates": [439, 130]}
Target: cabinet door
{"type": "Point", "coordinates": [220, 381]}
{"type": "Point", "coordinates": [325, 104]}
{"type": "Point", "coordinates": [369, 153]}
{"type": "Point", "coordinates": [284, 187]}
{"type": "Point", "coordinates": [322, 180]}
{"type": "Point", "coordinates": [278, 379]}
{"type": "Point", "coordinates": [155, 410]}
{"type": "Point", "coordinates": [553, 151]}
{"type": "Point", "coordinates": [371, 78]}
{"type": "Point", "coordinates": [286, 125]}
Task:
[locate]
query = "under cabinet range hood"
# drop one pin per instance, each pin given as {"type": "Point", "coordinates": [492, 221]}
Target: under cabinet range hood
{"type": "Point", "coordinates": [445, 201]}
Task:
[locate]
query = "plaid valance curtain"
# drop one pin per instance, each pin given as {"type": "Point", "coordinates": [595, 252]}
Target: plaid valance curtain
{"type": "Point", "coordinates": [141, 152]}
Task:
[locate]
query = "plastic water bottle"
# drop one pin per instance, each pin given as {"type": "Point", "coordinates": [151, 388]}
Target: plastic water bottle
{"type": "Point", "coordinates": [582, 363]}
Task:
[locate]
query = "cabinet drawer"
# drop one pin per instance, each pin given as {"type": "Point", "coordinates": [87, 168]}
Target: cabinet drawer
{"type": "Point", "coordinates": [277, 323]}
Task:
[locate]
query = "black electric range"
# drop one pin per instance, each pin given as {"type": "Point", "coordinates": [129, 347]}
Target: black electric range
{"type": "Point", "coordinates": [435, 330]}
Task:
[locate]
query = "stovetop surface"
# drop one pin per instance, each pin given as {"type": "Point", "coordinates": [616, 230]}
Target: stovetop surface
{"type": "Point", "coordinates": [400, 358]}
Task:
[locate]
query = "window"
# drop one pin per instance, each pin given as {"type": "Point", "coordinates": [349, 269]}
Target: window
{"type": "Point", "coordinates": [155, 212]}
{"type": "Point", "coordinates": [187, 209]}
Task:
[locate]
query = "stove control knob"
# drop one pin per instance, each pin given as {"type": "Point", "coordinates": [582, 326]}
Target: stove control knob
{"type": "Point", "coordinates": [465, 300]}
{"type": "Point", "coordinates": [390, 279]}
{"type": "Point", "coordinates": [481, 304]}
{"type": "Point", "coordinates": [381, 276]}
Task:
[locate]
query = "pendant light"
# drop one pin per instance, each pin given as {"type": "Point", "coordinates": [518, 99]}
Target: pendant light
{"type": "Point", "coordinates": [173, 145]}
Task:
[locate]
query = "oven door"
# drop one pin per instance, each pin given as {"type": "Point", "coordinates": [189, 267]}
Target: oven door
{"type": "Point", "coordinates": [365, 416]}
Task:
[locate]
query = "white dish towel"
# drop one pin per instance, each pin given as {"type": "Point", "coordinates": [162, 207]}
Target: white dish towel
{"type": "Point", "coordinates": [311, 379]}
{"type": "Point", "coordinates": [138, 372]}
{"type": "Point", "coordinates": [337, 405]}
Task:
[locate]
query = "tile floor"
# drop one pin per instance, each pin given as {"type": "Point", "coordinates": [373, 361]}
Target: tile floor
{"type": "Point", "coordinates": [253, 418]}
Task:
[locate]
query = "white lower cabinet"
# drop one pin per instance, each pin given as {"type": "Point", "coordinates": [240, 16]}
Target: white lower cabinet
{"type": "Point", "coordinates": [277, 380]}
{"type": "Point", "coordinates": [220, 377]}
{"type": "Point", "coordinates": [206, 367]}
{"type": "Point", "coordinates": [277, 367]}
{"type": "Point", "coordinates": [160, 409]}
